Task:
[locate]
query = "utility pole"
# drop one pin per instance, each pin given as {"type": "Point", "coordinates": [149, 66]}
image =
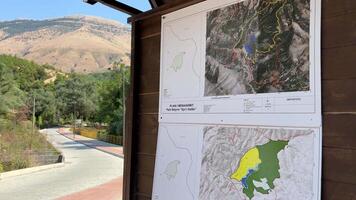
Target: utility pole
{"type": "Point", "coordinates": [33, 114]}
{"type": "Point", "coordinates": [74, 89]}
{"type": "Point", "coordinates": [74, 120]}
{"type": "Point", "coordinates": [33, 118]}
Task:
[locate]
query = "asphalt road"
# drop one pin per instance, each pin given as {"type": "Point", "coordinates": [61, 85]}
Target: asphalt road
{"type": "Point", "coordinates": [84, 168]}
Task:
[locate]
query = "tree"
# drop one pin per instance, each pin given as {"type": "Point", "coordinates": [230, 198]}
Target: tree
{"type": "Point", "coordinates": [11, 97]}
{"type": "Point", "coordinates": [112, 90]}
{"type": "Point", "coordinates": [93, 97]}
{"type": "Point", "coordinates": [76, 96]}
{"type": "Point", "coordinates": [46, 105]}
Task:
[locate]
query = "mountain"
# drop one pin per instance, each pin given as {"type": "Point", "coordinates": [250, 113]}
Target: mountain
{"type": "Point", "coordinates": [83, 44]}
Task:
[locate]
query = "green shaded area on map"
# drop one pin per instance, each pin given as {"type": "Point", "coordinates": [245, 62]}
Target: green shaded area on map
{"type": "Point", "coordinates": [178, 61]}
{"type": "Point", "coordinates": [267, 170]}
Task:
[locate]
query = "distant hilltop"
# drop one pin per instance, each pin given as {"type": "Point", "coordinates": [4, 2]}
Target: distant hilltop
{"type": "Point", "coordinates": [83, 44]}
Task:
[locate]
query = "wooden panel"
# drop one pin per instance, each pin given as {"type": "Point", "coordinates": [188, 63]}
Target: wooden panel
{"type": "Point", "coordinates": [339, 95]}
{"type": "Point", "coordinates": [145, 164]}
{"type": "Point", "coordinates": [338, 191]}
{"type": "Point", "coordinates": [148, 124]}
{"type": "Point", "coordinates": [142, 197]}
{"type": "Point", "coordinates": [150, 55]}
{"type": "Point", "coordinates": [142, 185]}
{"type": "Point", "coordinates": [339, 63]}
{"type": "Point", "coordinates": [148, 103]}
{"type": "Point", "coordinates": [151, 27]}
{"type": "Point", "coordinates": [339, 31]}
{"type": "Point", "coordinates": [149, 83]}
{"type": "Point", "coordinates": [146, 144]}
{"type": "Point", "coordinates": [332, 8]}
{"type": "Point", "coordinates": [339, 165]}
{"type": "Point", "coordinates": [339, 131]}
{"type": "Point", "coordinates": [149, 72]}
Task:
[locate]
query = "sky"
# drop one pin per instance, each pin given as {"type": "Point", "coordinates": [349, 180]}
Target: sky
{"type": "Point", "coordinates": [45, 9]}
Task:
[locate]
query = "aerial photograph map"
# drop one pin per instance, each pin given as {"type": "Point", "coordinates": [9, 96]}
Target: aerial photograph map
{"type": "Point", "coordinates": [257, 163]}
{"type": "Point", "coordinates": [258, 46]}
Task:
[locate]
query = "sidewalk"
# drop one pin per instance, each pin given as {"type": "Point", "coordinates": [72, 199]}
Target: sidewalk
{"type": "Point", "coordinates": [99, 145]}
{"type": "Point", "coordinates": [107, 191]}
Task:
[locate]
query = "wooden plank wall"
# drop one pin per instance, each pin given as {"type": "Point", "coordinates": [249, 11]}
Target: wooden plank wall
{"type": "Point", "coordinates": [339, 102]}
{"type": "Point", "coordinates": [339, 99]}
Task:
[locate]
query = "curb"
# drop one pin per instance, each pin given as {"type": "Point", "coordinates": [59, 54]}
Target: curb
{"type": "Point", "coordinates": [83, 143]}
{"type": "Point", "coordinates": [31, 170]}
{"type": "Point", "coordinates": [61, 157]}
{"type": "Point", "coordinates": [21, 172]}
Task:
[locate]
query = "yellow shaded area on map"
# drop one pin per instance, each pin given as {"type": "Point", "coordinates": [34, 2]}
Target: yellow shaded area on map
{"type": "Point", "coordinates": [249, 161]}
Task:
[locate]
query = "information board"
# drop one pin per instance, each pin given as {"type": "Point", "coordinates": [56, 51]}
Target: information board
{"type": "Point", "coordinates": [240, 102]}
{"type": "Point", "coordinates": [239, 58]}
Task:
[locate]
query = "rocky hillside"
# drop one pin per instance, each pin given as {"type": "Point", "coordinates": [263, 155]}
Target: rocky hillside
{"type": "Point", "coordinates": [80, 43]}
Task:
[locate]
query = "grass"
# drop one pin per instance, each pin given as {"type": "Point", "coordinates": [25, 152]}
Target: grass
{"type": "Point", "coordinates": [20, 148]}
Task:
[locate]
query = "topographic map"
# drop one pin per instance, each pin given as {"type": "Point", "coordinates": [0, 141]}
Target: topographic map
{"type": "Point", "coordinates": [258, 46]}
{"type": "Point", "coordinates": [257, 163]}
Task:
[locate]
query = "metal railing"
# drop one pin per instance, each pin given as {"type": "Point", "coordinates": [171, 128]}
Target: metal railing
{"type": "Point", "coordinates": [96, 134]}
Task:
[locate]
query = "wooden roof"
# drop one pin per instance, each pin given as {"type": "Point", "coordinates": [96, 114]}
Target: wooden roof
{"type": "Point", "coordinates": [117, 5]}
{"type": "Point", "coordinates": [157, 6]}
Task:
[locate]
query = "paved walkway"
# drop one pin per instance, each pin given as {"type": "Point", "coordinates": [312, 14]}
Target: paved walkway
{"type": "Point", "coordinates": [99, 145]}
{"type": "Point", "coordinates": [87, 171]}
{"type": "Point", "coordinates": [108, 191]}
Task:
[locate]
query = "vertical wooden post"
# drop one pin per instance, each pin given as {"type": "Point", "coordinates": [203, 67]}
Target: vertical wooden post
{"type": "Point", "coordinates": [124, 105]}
{"type": "Point", "coordinates": [130, 116]}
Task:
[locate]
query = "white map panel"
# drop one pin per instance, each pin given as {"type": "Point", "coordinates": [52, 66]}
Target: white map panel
{"type": "Point", "coordinates": [177, 163]}
{"type": "Point", "coordinates": [210, 67]}
{"type": "Point", "coordinates": [181, 58]}
{"type": "Point", "coordinates": [209, 162]}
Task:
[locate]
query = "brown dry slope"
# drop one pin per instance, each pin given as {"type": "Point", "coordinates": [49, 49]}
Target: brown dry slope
{"type": "Point", "coordinates": [79, 43]}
